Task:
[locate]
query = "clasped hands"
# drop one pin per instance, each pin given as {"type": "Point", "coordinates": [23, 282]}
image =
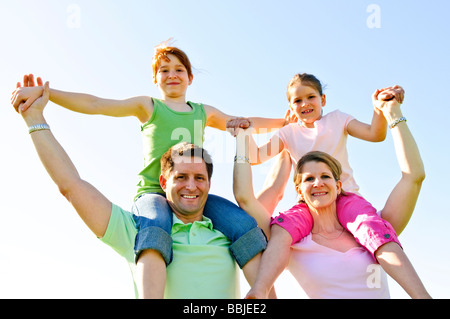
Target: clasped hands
{"type": "Point", "coordinates": [24, 96]}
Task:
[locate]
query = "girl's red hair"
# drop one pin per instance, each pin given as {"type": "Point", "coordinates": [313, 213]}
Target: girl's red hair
{"type": "Point", "coordinates": [161, 53]}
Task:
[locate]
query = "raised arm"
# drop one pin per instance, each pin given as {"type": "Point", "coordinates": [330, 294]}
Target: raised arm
{"type": "Point", "coordinates": [218, 120]}
{"type": "Point", "coordinates": [90, 204]}
{"type": "Point", "coordinates": [376, 130]}
{"type": "Point", "coordinates": [402, 200]}
{"type": "Point", "coordinates": [140, 107]}
{"type": "Point", "coordinates": [243, 185]}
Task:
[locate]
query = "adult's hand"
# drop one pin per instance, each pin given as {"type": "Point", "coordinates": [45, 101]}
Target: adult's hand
{"type": "Point", "coordinates": [24, 96]}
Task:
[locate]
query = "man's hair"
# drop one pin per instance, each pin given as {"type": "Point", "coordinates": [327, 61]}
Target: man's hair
{"type": "Point", "coordinates": [185, 153]}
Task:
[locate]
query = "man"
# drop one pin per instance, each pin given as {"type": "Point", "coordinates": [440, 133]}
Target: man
{"type": "Point", "coordinates": [202, 266]}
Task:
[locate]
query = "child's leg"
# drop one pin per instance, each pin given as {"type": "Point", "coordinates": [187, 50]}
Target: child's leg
{"type": "Point", "coordinates": [297, 221]}
{"type": "Point", "coordinates": [360, 218]}
{"type": "Point", "coordinates": [247, 238]}
{"type": "Point", "coordinates": [153, 243]}
{"type": "Point", "coordinates": [151, 274]}
{"type": "Point", "coordinates": [397, 265]}
{"type": "Point", "coordinates": [275, 183]}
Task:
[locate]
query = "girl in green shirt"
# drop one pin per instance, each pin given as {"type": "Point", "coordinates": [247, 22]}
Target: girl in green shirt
{"type": "Point", "coordinates": [166, 122]}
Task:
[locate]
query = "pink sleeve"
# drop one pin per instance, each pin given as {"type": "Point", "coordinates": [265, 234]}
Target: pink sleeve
{"type": "Point", "coordinates": [297, 221]}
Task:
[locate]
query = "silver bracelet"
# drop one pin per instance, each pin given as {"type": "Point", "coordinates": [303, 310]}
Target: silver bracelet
{"type": "Point", "coordinates": [38, 127]}
{"type": "Point", "coordinates": [241, 158]}
{"type": "Point", "coordinates": [394, 124]}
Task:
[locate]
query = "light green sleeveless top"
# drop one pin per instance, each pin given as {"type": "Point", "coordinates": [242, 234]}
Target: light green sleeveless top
{"type": "Point", "coordinates": [166, 128]}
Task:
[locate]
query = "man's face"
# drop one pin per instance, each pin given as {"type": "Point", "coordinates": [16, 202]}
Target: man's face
{"type": "Point", "coordinates": [187, 189]}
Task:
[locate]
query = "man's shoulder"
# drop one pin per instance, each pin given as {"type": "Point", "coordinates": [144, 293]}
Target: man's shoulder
{"type": "Point", "coordinates": [121, 231]}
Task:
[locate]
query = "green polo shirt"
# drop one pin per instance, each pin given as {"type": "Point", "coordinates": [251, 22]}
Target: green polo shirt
{"type": "Point", "coordinates": [202, 266]}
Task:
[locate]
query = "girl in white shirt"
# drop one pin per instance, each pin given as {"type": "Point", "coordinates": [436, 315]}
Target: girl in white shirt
{"type": "Point", "coordinates": [320, 262]}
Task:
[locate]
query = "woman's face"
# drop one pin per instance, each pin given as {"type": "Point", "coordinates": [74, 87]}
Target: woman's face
{"type": "Point", "coordinates": [318, 188]}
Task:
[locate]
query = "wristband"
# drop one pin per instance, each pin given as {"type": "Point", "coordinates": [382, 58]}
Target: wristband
{"type": "Point", "coordinates": [394, 124]}
{"type": "Point", "coordinates": [241, 158]}
{"type": "Point", "coordinates": [38, 127]}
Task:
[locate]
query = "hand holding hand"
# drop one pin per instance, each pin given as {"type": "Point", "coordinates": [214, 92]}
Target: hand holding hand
{"type": "Point", "coordinates": [34, 114]}
{"type": "Point", "coordinates": [23, 97]}
{"type": "Point", "coordinates": [236, 124]}
{"type": "Point", "coordinates": [390, 108]}
{"type": "Point", "coordinates": [392, 92]}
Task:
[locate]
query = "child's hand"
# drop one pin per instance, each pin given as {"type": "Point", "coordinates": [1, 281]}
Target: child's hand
{"type": "Point", "coordinates": [236, 124]}
{"type": "Point", "coordinates": [23, 97]}
{"type": "Point", "coordinates": [382, 102]}
{"type": "Point", "coordinates": [290, 117]}
{"type": "Point", "coordinates": [39, 104]}
{"type": "Point", "coordinates": [393, 92]}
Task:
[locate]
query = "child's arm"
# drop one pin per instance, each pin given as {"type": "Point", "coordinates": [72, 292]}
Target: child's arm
{"type": "Point", "coordinates": [243, 185]}
{"type": "Point", "coordinates": [265, 152]}
{"type": "Point", "coordinates": [141, 106]}
{"type": "Point", "coordinates": [218, 120]}
{"type": "Point", "coordinates": [276, 180]}
{"type": "Point", "coordinates": [376, 131]}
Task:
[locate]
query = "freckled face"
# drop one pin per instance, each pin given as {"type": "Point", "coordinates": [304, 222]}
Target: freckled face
{"type": "Point", "coordinates": [172, 77]}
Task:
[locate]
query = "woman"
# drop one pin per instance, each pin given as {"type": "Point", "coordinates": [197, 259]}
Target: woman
{"type": "Point", "coordinates": [329, 263]}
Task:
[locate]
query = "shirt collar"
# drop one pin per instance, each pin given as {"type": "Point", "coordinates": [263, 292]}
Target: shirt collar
{"type": "Point", "coordinates": [177, 224]}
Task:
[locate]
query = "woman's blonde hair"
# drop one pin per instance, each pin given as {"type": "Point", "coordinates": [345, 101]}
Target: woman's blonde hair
{"type": "Point", "coordinates": [321, 157]}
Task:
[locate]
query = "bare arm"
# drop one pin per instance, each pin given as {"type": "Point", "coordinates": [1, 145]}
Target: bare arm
{"type": "Point", "coordinates": [140, 107]}
{"type": "Point", "coordinates": [265, 152]}
{"type": "Point", "coordinates": [243, 185]}
{"type": "Point", "coordinates": [276, 181]}
{"type": "Point", "coordinates": [218, 120]}
{"type": "Point", "coordinates": [274, 260]}
{"type": "Point", "coordinates": [90, 204]}
{"type": "Point", "coordinates": [402, 200]}
{"type": "Point", "coordinates": [376, 131]}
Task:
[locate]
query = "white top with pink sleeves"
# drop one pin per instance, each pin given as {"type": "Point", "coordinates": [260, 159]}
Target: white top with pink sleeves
{"type": "Point", "coordinates": [325, 273]}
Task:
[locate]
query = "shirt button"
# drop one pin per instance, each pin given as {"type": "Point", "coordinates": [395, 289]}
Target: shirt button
{"type": "Point", "coordinates": [280, 219]}
{"type": "Point", "coordinates": [387, 236]}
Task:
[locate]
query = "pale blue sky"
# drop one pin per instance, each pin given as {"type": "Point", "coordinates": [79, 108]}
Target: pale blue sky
{"type": "Point", "coordinates": [244, 54]}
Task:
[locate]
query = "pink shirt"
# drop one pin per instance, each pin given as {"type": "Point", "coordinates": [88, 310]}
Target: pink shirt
{"type": "Point", "coordinates": [325, 273]}
{"type": "Point", "coordinates": [329, 135]}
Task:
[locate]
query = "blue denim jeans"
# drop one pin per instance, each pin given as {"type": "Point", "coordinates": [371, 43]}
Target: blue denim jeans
{"type": "Point", "coordinates": [153, 217]}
